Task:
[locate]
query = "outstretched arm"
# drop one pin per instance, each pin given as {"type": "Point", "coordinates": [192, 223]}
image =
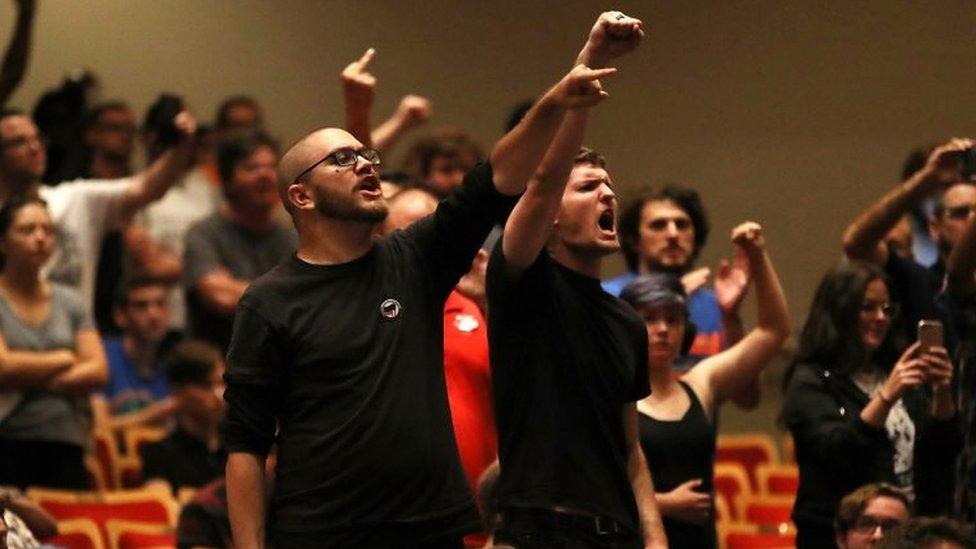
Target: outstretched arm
{"type": "Point", "coordinates": [529, 226]}
{"type": "Point", "coordinates": [152, 183]}
{"type": "Point", "coordinates": [15, 60]}
{"type": "Point", "coordinates": [724, 375]}
{"type": "Point", "coordinates": [864, 239]}
{"type": "Point", "coordinates": [412, 111]}
{"type": "Point", "coordinates": [359, 89]}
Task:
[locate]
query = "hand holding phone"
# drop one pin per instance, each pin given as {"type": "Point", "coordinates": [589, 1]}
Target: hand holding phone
{"type": "Point", "coordinates": [938, 367]}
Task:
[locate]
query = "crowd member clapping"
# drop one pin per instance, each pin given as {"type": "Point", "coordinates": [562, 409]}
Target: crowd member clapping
{"type": "Point", "coordinates": [866, 515]}
{"type": "Point", "coordinates": [677, 421]}
{"type": "Point", "coordinates": [50, 353]}
{"type": "Point", "coordinates": [665, 231]}
{"type": "Point", "coordinates": [862, 408]}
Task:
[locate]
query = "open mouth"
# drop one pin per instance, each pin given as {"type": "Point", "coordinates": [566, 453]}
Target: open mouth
{"type": "Point", "coordinates": [370, 186]}
{"type": "Point", "coordinates": [606, 221]}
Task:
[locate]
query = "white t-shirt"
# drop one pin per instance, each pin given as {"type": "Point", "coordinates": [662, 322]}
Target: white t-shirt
{"type": "Point", "coordinates": [168, 220]}
{"type": "Point", "coordinates": [83, 211]}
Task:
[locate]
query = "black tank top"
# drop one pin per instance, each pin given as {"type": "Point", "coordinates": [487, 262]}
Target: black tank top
{"type": "Point", "coordinates": [678, 451]}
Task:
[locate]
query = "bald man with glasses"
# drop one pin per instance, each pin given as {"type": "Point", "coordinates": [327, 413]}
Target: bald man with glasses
{"type": "Point", "coordinates": [341, 348]}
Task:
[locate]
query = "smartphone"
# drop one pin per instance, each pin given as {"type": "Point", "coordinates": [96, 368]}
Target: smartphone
{"type": "Point", "coordinates": [968, 168]}
{"type": "Point", "coordinates": [930, 334]}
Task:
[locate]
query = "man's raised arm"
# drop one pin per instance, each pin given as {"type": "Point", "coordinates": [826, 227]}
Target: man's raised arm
{"type": "Point", "coordinates": [153, 182]}
{"type": "Point", "coordinates": [528, 228]}
{"type": "Point", "coordinates": [864, 238]}
{"type": "Point", "coordinates": [14, 63]}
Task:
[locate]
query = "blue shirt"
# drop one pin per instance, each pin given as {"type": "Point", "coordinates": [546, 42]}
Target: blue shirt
{"type": "Point", "coordinates": [127, 391]}
{"type": "Point", "coordinates": [704, 312]}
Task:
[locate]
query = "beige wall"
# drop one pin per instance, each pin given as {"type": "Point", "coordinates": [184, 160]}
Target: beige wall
{"type": "Point", "coordinates": [792, 113]}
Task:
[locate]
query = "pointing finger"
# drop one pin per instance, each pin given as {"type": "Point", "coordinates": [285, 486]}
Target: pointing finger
{"type": "Point", "coordinates": [367, 57]}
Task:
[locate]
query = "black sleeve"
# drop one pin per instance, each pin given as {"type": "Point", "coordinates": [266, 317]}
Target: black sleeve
{"type": "Point", "coordinates": [642, 383]}
{"type": "Point", "coordinates": [451, 236]}
{"type": "Point", "coordinates": [815, 419]}
{"type": "Point", "coordinates": [253, 380]}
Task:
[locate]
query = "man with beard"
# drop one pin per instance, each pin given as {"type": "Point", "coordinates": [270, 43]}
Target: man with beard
{"type": "Point", "coordinates": [341, 347]}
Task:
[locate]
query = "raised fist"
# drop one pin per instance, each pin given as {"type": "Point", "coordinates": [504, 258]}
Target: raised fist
{"type": "Point", "coordinates": [414, 110]}
{"type": "Point", "coordinates": [749, 236]}
{"type": "Point", "coordinates": [614, 34]}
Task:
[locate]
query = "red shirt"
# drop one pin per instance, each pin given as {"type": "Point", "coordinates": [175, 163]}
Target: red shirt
{"type": "Point", "coordinates": [469, 385]}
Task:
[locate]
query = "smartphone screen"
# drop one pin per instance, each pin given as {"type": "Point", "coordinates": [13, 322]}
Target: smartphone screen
{"type": "Point", "coordinates": [930, 334]}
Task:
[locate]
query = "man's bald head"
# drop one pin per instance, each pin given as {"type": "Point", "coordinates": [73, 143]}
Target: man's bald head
{"type": "Point", "coordinates": [307, 151]}
{"type": "Point", "coordinates": [407, 207]}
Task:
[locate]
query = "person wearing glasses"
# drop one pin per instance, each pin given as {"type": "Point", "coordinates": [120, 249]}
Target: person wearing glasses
{"type": "Point", "coordinates": [872, 236]}
{"type": "Point", "coordinates": [225, 251]}
{"type": "Point", "coordinates": [866, 515]}
{"type": "Point", "coordinates": [864, 408]}
{"type": "Point", "coordinates": [341, 347]}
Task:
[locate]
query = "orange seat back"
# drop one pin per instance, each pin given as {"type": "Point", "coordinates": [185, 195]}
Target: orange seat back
{"type": "Point", "coordinates": [748, 450]}
{"type": "Point", "coordinates": [731, 482]}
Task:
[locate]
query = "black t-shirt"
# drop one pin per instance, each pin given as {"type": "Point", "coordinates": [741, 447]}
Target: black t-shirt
{"type": "Point", "coordinates": [348, 359]}
{"type": "Point", "coordinates": [183, 460]}
{"type": "Point", "coordinates": [565, 358]}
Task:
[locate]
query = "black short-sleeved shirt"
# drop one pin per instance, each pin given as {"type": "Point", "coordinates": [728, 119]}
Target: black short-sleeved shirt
{"type": "Point", "coordinates": [183, 460]}
{"type": "Point", "coordinates": [348, 359]}
{"type": "Point", "coordinates": [565, 358]}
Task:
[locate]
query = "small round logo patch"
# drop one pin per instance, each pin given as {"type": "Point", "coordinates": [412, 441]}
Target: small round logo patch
{"type": "Point", "coordinates": [390, 309]}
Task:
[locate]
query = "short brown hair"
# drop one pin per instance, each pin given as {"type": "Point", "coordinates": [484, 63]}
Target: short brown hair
{"type": "Point", "coordinates": [589, 156]}
{"type": "Point", "coordinates": [854, 503]}
{"type": "Point", "coordinates": [445, 142]}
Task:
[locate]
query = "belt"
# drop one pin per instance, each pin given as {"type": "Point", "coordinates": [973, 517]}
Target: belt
{"type": "Point", "coordinates": [551, 518]}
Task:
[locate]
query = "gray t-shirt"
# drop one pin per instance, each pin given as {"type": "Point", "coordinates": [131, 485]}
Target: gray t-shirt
{"type": "Point", "coordinates": [215, 243]}
{"type": "Point", "coordinates": [43, 415]}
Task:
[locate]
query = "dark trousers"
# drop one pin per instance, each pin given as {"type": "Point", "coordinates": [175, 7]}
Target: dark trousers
{"type": "Point", "coordinates": [541, 529]}
{"type": "Point", "coordinates": [58, 465]}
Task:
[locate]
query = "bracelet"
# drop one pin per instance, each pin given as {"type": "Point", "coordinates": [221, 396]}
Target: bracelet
{"type": "Point", "coordinates": [885, 399]}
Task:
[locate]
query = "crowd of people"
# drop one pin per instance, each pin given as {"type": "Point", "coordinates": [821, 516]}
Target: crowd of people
{"type": "Point", "coordinates": [349, 355]}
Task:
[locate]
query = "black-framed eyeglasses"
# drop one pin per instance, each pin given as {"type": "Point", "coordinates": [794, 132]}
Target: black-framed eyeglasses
{"type": "Point", "coordinates": [867, 525]}
{"type": "Point", "coordinates": [346, 157]}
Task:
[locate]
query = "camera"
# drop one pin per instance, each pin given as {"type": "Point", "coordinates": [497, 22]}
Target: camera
{"type": "Point", "coordinates": [160, 119]}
